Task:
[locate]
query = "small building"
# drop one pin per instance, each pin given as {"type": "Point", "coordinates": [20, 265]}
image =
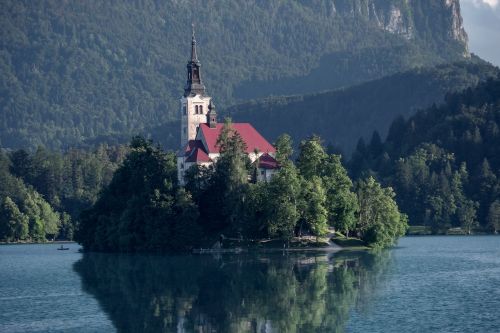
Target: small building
{"type": "Point", "coordinates": [200, 130]}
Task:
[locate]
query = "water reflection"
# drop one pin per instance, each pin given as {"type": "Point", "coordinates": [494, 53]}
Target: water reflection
{"type": "Point", "coordinates": [306, 292]}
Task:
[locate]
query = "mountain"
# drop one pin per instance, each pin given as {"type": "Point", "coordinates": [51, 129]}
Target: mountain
{"type": "Point", "coordinates": [342, 116]}
{"type": "Point", "coordinates": [443, 162]}
{"type": "Point", "coordinates": [84, 71]}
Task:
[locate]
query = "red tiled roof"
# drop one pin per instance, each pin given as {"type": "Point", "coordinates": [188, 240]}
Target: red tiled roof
{"type": "Point", "coordinates": [195, 152]}
{"type": "Point", "coordinates": [192, 144]}
{"type": "Point", "coordinates": [188, 148]}
{"type": "Point", "coordinates": [198, 155]}
{"type": "Point", "coordinates": [266, 161]}
{"type": "Point", "coordinates": [250, 136]}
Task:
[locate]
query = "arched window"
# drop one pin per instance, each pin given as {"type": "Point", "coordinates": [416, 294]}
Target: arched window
{"type": "Point", "coordinates": [196, 109]}
{"type": "Point", "coordinates": [201, 109]}
{"type": "Point", "coordinates": [184, 110]}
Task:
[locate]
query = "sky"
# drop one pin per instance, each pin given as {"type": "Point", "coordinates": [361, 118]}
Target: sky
{"type": "Point", "coordinates": [482, 23]}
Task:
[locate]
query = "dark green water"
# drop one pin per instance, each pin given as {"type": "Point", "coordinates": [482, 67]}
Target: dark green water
{"type": "Point", "coordinates": [427, 284]}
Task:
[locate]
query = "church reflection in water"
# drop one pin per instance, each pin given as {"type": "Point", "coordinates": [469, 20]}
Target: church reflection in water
{"type": "Point", "coordinates": [270, 292]}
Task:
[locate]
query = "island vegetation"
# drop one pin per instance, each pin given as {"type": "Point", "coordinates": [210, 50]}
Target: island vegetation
{"type": "Point", "coordinates": [442, 163]}
{"type": "Point", "coordinates": [144, 208]}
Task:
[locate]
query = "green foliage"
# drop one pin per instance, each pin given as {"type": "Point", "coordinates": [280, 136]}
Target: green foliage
{"type": "Point", "coordinates": [444, 161]}
{"type": "Point", "coordinates": [380, 221]}
{"type": "Point", "coordinates": [222, 202]}
{"type": "Point", "coordinates": [13, 223]}
{"type": "Point", "coordinates": [142, 209]}
{"type": "Point", "coordinates": [93, 71]}
{"type": "Point", "coordinates": [284, 148]}
{"type": "Point", "coordinates": [315, 215]}
{"type": "Point", "coordinates": [341, 116]}
{"type": "Point", "coordinates": [283, 199]}
{"type": "Point", "coordinates": [311, 158]}
{"type": "Point", "coordinates": [494, 216]}
{"type": "Point", "coordinates": [51, 189]}
{"type": "Point", "coordinates": [341, 200]}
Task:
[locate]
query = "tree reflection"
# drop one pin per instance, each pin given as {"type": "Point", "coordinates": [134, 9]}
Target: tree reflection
{"type": "Point", "coordinates": [307, 292]}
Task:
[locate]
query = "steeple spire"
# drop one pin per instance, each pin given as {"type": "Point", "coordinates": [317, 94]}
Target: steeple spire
{"type": "Point", "coordinates": [194, 85]}
{"type": "Point", "coordinates": [194, 55]}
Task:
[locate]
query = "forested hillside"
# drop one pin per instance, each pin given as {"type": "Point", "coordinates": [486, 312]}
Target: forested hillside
{"type": "Point", "coordinates": [340, 117]}
{"type": "Point", "coordinates": [444, 162]}
{"type": "Point", "coordinates": [92, 71]}
{"type": "Point", "coordinates": [42, 193]}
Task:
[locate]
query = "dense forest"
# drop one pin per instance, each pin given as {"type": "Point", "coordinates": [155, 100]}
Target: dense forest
{"type": "Point", "coordinates": [340, 117]}
{"type": "Point", "coordinates": [42, 193]}
{"type": "Point", "coordinates": [76, 72]}
{"type": "Point", "coordinates": [144, 210]}
{"type": "Point", "coordinates": [443, 162]}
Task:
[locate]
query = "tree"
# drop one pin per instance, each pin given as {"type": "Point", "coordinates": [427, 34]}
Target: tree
{"type": "Point", "coordinates": [494, 216]}
{"type": "Point", "coordinates": [197, 179]}
{"type": "Point", "coordinates": [13, 223]}
{"type": "Point", "coordinates": [341, 202]}
{"type": "Point", "coordinates": [380, 222]}
{"type": "Point", "coordinates": [185, 231]}
{"type": "Point", "coordinates": [467, 215]}
{"type": "Point", "coordinates": [314, 214]}
{"type": "Point", "coordinates": [311, 158]}
{"type": "Point", "coordinates": [282, 213]}
{"type": "Point", "coordinates": [284, 148]}
{"type": "Point", "coordinates": [135, 212]}
{"type": "Point", "coordinates": [222, 202]}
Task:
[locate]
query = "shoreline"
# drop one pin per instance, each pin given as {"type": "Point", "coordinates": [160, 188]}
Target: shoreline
{"type": "Point", "coordinates": [39, 243]}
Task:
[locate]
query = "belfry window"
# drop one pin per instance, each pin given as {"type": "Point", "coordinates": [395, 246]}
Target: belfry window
{"type": "Point", "coordinates": [184, 110]}
{"type": "Point", "coordinates": [201, 109]}
{"type": "Point", "coordinates": [196, 109]}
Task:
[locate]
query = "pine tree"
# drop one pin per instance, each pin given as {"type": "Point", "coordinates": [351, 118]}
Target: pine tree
{"type": "Point", "coordinates": [284, 148]}
{"type": "Point", "coordinates": [494, 216]}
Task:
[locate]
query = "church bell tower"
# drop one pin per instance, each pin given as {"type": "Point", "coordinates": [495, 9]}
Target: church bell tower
{"type": "Point", "coordinates": [195, 101]}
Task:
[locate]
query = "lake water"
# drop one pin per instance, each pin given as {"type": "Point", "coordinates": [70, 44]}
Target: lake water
{"type": "Point", "coordinates": [426, 284]}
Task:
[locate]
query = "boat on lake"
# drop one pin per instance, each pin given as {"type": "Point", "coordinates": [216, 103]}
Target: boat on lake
{"type": "Point", "coordinates": [62, 248]}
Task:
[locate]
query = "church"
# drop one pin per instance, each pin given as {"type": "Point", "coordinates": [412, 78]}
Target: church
{"type": "Point", "coordinates": [200, 130]}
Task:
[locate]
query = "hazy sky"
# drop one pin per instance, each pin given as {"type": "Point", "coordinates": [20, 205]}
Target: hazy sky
{"type": "Point", "coordinates": [482, 23]}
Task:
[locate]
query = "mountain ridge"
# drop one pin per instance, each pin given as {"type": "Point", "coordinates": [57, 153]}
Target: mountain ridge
{"type": "Point", "coordinates": [74, 71]}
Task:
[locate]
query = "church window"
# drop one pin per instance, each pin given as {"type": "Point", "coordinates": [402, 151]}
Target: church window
{"type": "Point", "coordinates": [201, 109]}
{"type": "Point", "coordinates": [184, 110]}
{"type": "Point", "coordinates": [196, 109]}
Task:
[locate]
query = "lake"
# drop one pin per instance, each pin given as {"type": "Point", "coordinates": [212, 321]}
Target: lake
{"type": "Point", "coordinates": [426, 284]}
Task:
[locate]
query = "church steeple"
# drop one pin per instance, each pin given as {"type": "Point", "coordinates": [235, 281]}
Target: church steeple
{"type": "Point", "coordinates": [194, 55]}
{"type": "Point", "coordinates": [211, 115]}
{"type": "Point", "coordinates": [194, 85]}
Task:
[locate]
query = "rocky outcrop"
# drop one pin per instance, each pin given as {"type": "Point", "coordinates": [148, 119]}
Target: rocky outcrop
{"type": "Point", "coordinates": [407, 18]}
